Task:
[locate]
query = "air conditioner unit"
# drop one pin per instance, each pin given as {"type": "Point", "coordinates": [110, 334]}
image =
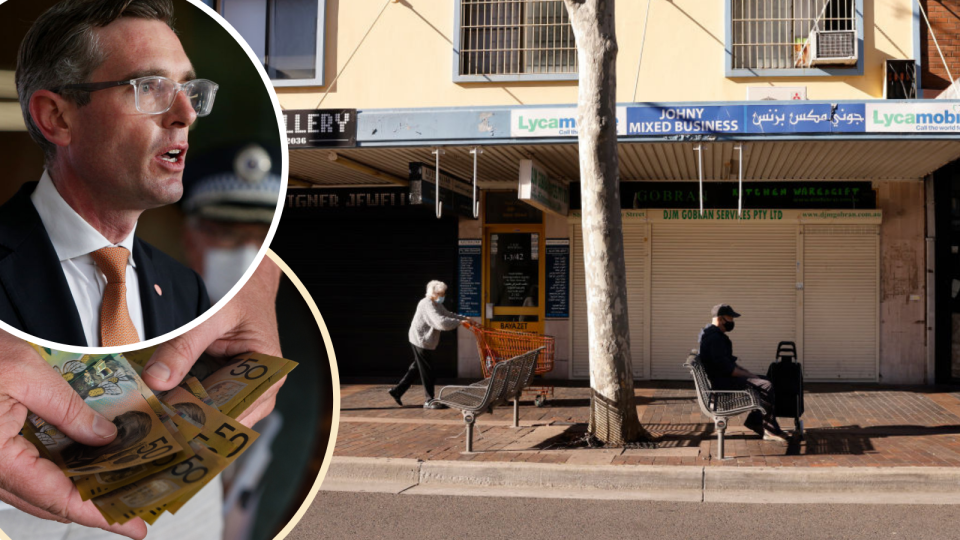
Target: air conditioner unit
{"type": "Point", "coordinates": [833, 47]}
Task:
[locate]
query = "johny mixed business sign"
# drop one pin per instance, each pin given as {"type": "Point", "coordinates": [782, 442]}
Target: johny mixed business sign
{"type": "Point", "coordinates": [749, 119]}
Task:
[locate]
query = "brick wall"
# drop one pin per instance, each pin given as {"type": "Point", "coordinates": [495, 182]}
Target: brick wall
{"type": "Point", "coordinates": [945, 19]}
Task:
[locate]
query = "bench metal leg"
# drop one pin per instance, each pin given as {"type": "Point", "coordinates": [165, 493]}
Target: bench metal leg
{"type": "Point", "coordinates": [516, 413]}
{"type": "Point", "coordinates": [721, 425]}
{"type": "Point", "coordinates": [469, 419]}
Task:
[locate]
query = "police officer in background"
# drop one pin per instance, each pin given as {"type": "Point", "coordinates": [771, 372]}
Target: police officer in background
{"type": "Point", "coordinates": [230, 200]}
{"type": "Point", "coordinates": [716, 354]}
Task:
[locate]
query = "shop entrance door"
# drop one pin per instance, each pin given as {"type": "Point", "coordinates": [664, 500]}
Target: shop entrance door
{"type": "Point", "coordinates": [514, 277]}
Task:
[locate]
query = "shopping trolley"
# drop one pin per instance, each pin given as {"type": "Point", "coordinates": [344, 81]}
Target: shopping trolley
{"type": "Point", "coordinates": [499, 345]}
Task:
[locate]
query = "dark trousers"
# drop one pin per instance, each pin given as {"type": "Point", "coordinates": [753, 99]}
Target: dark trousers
{"type": "Point", "coordinates": [767, 399]}
{"type": "Point", "coordinates": [422, 359]}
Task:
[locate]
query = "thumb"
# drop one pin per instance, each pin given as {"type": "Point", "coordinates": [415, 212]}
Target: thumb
{"type": "Point", "coordinates": [172, 360]}
{"type": "Point", "coordinates": [41, 390]}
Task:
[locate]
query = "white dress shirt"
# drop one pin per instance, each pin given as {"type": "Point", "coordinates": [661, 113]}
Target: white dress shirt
{"type": "Point", "coordinates": [74, 239]}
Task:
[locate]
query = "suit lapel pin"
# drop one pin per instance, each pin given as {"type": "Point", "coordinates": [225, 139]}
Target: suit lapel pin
{"type": "Point", "coordinates": [157, 288]}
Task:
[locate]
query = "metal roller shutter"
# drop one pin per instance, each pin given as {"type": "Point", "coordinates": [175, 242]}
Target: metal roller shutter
{"type": "Point", "coordinates": [840, 302]}
{"type": "Point", "coordinates": [752, 267]}
{"type": "Point", "coordinates": [635, 242]}
{"type": "Point", "coordinates": [367, 274]}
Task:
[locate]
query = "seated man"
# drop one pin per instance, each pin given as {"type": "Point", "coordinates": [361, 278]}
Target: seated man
{"type": "Point", "coordinates": [716, 354]}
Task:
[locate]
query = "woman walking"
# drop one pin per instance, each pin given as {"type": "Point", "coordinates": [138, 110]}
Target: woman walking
{"type": "Point", "coordinates": [430, 319]}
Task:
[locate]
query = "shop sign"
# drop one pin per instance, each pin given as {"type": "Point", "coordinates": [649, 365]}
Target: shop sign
{"type": "Point", "coordinates": [321, 128]}
{"type": "Point", "coordinates": [700, 120]}
{"type": "Point", "coordinates": [798, 194]}
{"type": "Point", "coordinates": [345, 199]}
{"type": "Point", "coordinates": [505, 207]}
{"type": "Point", "coordinates": [513, 326]}
{"type": "Point", "coordinates": [814, 118]}
{"type": "Point", "coordinates": [753, 215]}
{"type": "Point", "coordinates": [929, 117]}
{"type": "Point", "coordinates": [558, 122]}
{"type": "Point", "coordinates": [768, 215]}
{"type": "Point", "coordinates": [470, 270]}
{"type": "Point", "coordinates": [456, 194]}
{"type": "Point", "coordinates": [539, 190]}
{"type": "Point", "coordinates": [558, 278]}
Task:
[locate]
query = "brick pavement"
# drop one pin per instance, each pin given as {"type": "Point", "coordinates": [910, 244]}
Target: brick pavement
{"type": "Point", "coordinates": [846, 426]}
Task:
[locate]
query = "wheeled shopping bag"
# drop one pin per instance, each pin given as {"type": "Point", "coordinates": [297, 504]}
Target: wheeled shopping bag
{"type": "Point", "coordinates": [786, 374]}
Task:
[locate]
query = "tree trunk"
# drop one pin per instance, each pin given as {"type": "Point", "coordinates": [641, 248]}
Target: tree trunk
{"type": "Point", "coordinates": [613, 411]}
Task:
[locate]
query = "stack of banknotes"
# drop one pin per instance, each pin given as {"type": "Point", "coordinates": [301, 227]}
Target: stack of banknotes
{"type": "Point", "coordinates": [168, 446]}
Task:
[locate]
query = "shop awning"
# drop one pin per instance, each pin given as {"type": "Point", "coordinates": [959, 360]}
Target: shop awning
{"type": "Point", "coordinates": [498, 166]}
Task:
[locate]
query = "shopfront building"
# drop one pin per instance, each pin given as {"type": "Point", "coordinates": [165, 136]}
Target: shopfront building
{"type": "Point", "coordinates": [485, 93]}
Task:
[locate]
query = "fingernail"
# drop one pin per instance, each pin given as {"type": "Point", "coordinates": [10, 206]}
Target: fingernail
{"type": "Point", "coordinates": [103, 427]}
{"type": "Point", "coordinates": [158, 371]}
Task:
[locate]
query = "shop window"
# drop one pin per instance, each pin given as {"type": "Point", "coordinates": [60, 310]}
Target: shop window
{"type": "Point", "coordinates": [514, 40]}
{"type": "Point", "coordinates": [286, 35]}
{"type": "Point", "coordinates": [790, 37]}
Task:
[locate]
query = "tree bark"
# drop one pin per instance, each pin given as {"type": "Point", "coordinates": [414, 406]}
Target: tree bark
{"type": "Point", "coordinates": [613, 411]}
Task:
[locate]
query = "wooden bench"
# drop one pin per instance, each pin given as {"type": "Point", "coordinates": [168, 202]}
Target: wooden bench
{"type": "Point", "coordinates": [505, 383]}
{"type": "Point", "coordinates": [720, 405]}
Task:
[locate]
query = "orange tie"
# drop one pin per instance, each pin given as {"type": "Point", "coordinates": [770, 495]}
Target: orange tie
{"type": "Point", "coordinates": [116, 327]}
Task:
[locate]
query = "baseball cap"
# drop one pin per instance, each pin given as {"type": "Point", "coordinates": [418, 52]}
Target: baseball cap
{"type": "Point", "coordinates": [720, 310]}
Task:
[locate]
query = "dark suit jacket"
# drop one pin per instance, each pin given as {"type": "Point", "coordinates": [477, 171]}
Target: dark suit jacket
{"type": "Point", "coordinates": [35, 297]}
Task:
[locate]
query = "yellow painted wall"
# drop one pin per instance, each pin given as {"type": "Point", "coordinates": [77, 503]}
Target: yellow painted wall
{"type": "Point", "coordinates": [406, 60]}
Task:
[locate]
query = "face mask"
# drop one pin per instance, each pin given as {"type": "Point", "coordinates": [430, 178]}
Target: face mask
{"type": "Point", "coordinates": [223, 268]}
{"type": "Point", "coordinates": [441, 299]}
{"type": "Point", "coordinates": [728, 325]}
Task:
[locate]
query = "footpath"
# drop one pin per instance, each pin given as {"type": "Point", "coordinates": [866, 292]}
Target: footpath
{"type": "Point", "coordinates": [862, 443]}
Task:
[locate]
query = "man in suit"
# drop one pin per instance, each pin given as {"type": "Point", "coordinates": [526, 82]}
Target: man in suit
{"type": "Point", "coordinates": [109, 94]}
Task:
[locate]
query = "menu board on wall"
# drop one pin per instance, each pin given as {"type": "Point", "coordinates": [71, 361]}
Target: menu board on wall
{"type": "Point", "coordinates": [470, 259]}
{"type": "Point", "coordinates": [558, 278]}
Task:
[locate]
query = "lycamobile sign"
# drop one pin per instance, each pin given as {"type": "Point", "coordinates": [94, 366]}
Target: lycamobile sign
{"type": "Point", "coordinates": [560, 122]}
{"type": "Point", "coordinates": [910, 118]}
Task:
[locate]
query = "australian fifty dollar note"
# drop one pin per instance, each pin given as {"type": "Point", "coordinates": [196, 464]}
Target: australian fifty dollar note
{"type": "Point", "coordinates": [109, 385]}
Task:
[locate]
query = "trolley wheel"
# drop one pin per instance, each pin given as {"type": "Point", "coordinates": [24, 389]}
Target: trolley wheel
{"type": "Point", "coordinates": [540, 400]}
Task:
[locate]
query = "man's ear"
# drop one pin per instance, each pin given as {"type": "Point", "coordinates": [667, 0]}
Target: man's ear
{"type": "Point", "coordinates": [49, 111]}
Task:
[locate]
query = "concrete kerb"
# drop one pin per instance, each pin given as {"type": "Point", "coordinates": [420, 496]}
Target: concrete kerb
{"type": "Point", "coordinates": [896, 485]}
{"type": "Point", "coordinates": [934, 485]}
{"type": "Point", "coordinates": [386, 475]}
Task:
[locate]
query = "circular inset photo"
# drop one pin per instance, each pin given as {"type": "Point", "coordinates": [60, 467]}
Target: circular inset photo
{"type": "Point", "coordinates": [222, 433]}
{"type": "Point", "coordinates": [144, 167]}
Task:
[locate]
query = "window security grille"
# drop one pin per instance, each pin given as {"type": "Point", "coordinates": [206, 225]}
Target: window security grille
{"type": "Point", "coordinates": [515, 37]}
{"type": "Point", "coordinates": [770, 34]}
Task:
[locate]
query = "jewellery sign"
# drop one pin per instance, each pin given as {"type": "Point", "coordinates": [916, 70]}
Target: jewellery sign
{"type": "Point", "coordinates": [539, 190]}
{"type": "Point", "coordinates": [321, 128]}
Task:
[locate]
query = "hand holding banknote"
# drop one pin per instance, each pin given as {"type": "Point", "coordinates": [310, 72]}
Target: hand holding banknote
{"type": "Point", "coordinates": [28, 482]}
{"type": "Point", "coordinates": [248, 323]}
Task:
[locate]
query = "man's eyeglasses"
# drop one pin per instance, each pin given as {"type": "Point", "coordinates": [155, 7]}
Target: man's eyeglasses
{"type": "Point", "coordinates": [156, 95]}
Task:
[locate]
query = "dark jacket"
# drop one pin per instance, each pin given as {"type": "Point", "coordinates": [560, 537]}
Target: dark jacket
{"type": "Point", "coordinates": [716, 354]}
{"type": "Point", "coordinates": [35, 297]}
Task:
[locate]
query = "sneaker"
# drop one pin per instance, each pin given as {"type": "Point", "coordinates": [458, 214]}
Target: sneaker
{"type": "Point", "coordinates": [395, 395]}
{"type": "Point", "coordinates": [774, 436]}
{"type": "Point", "coordinates": [434, 405]}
